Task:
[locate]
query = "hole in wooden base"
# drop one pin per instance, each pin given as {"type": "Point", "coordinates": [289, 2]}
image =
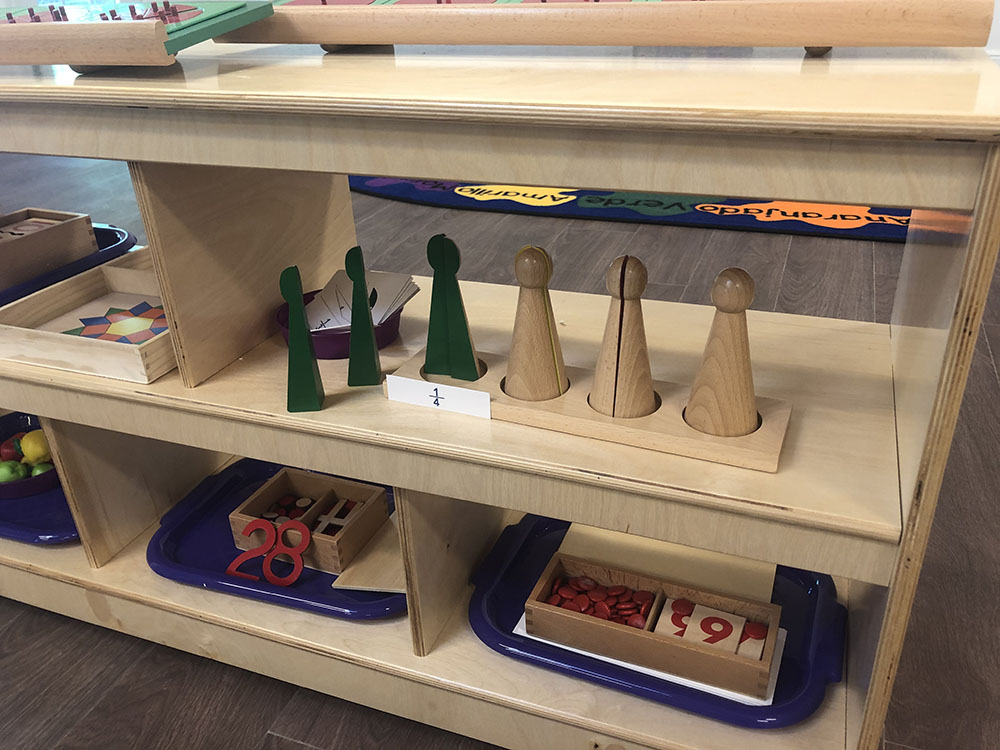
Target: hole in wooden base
{"type": "Point", "coordinates": [448, 379]}
{"type": "Point", "coordinates": [503, 387]}
{"type": "Point", "coordinates": [656, 396]}
{"type": "Point", "coordinates": [760, 421]}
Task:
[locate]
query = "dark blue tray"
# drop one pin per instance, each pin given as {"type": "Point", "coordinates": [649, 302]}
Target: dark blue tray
{"type": "Point", "coordinates": [35, 519]}
{"type": "Point", "coordinates": [194, 545]}
{"type": "Point", "coordinates": [111, 242]}
{"type": "Point", "coordinates": [814, 647]}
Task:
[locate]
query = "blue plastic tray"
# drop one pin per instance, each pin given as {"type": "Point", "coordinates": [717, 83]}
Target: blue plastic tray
{"type": "Point", "coordinates": [813, 655]}
{"type": "Point", "coordinates": [111, 242]}
{"type": "Point", "coordinates": [36, 519]}
{"type": "Point", "coordinates": [194, 545]}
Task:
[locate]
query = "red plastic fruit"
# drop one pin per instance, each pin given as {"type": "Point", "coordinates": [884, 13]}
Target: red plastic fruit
{"type": "Point", "coordinates": [637, 621]}
{"type": "Point", "coordinates": [9, 450]}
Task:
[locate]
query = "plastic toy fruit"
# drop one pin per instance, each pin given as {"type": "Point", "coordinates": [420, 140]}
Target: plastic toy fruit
{"type": "Point", "coordinates": [41, 469]}
{"type": "Point", "coordinates": [12, 471]}
{"type": "Point", "coordinates": [10, 449]}
{"type": "Point", "coordinates": [35, 448]}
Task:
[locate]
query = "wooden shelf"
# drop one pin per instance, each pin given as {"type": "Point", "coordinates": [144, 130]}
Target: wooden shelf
{"type": "Point", "coordinates": [833, 505]}
{"type": "Point", "coordinates": [373, 663]}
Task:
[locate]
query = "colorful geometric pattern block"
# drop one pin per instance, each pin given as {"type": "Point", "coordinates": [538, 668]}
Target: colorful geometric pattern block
{"type": "Point", "coordinates": [126, 326]}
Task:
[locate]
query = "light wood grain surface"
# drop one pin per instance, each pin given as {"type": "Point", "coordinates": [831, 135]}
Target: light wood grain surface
{"type": "Point", "coordinates": [924, 93]}
{"type": "Point", "coordinates": [738, 23]}
{"type": "Point", "coordinates": [93, 43]}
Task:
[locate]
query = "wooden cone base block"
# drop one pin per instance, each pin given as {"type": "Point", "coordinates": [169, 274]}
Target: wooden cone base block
{"type": "Point", "coordinates": [664, 430]}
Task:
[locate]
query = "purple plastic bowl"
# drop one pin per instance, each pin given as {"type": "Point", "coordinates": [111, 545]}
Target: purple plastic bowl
{"type": "Point", "coordinates": [336, 344]}
{"type": "Point", "coordinates": [10, 425]}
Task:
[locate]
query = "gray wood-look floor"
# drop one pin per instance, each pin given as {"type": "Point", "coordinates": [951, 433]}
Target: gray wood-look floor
{"type": "Point", "coordinates": [65, 684]}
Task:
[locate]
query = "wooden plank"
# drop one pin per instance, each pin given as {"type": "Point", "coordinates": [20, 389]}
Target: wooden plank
{"type": "Point", "coordinates": [220, 238]}
{"type": "Point", "coordinates": [894, 173]}
{"type": "Point", "coordinates": [379, 565]}
{"type": "Point", "coordinates": [443, 541]}
{"type": "Point", "coordinates": [117, 484]}
{"type": "Point", "coordinates": [461, 686]}
{"type": "Point", "coordinates": [84, 44]}
{"type": "Point", "coordinates": [738, 23]}
{"type": "Point", "coordinates": [976, 275]}
{"type": "Point", "coordinates": [923, 94]}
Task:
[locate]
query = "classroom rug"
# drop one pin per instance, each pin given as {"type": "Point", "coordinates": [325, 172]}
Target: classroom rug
{"type": "Point", "coordinates": [710, 212]}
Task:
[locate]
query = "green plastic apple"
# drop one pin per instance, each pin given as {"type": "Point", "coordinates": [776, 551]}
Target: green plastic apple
{"type": "Point", "coordinates": [12, 471]}
{"type": "Point", "coordinates": [41, 469]}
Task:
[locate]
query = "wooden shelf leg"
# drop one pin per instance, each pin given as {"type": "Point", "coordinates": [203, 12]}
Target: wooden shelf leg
{"type": "Point", "coordinates": [443, 541]}
{"type": "Point", "coordinates": [117, 485]}
{"type": "Point", "coordinates": [220, 237]}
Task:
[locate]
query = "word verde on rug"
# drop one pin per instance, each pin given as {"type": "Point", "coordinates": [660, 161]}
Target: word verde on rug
{"type": "Point", "coordinates": [711, 212]}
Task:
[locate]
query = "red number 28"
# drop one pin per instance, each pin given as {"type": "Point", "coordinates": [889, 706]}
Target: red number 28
{"type": "Point", "coordinates": [275, 542]}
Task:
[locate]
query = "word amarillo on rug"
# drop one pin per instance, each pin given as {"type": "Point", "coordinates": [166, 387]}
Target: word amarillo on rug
{"type": "Point", "coordinates": [712, 212]}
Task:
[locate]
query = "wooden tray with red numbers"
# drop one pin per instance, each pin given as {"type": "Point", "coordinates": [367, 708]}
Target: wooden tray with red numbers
{"type": "Point", "coordinates": [764, 23]}
{"type": "Point", "coordinates": [635, 637]}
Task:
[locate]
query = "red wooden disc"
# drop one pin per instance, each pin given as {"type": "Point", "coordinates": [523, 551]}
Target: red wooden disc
{"type": "Point", "coordinates": [682, 606]}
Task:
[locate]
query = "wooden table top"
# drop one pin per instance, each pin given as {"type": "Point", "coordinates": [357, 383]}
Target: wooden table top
{"type": "Point", "coordinates": [906, 93]}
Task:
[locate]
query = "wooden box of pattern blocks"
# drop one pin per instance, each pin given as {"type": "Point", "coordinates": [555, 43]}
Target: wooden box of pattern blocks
{"type": "Point", "coordinates": [34, 241]}
{"type": "Point", "coordinates": [342, 515]}
{"type": "Point", "coordinates": [107, 321]}
{"type": "Point", "coordinates": [710, 638]}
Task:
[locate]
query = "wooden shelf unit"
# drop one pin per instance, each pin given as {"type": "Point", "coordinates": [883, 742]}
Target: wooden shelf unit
{"type": "Point", "coordinates": [247, 175]}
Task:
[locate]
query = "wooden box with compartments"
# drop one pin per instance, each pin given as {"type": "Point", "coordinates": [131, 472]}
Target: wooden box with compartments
{"type": "Point", "coordinates": [687, 650]}
{"type": "Point", "coordinates": [342, 515]}
{"type": "Point", "coordinates": [34, 241]}
{"type": "Point", "coordinates": [107, 321]}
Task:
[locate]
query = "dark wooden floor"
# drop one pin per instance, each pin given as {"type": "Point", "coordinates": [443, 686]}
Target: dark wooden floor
{"type": "Point", "coordinates": [65, 684]}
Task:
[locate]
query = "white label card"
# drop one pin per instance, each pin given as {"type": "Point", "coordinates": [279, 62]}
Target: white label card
{"type": "Point", "coordinates": [443, 397]}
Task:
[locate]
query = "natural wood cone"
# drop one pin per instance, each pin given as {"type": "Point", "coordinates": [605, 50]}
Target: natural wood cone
{"type": "Point", "coordinates": [535, 369]}
{"type": "Point", "coordinates": [623, 385]}
{"type": "Point", "coordinates": [722, 399]}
